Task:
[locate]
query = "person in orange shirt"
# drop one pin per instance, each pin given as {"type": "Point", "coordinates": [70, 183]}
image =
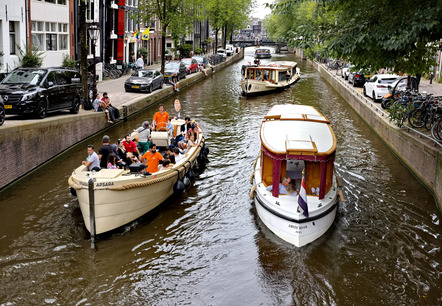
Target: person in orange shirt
{"type": "Point", "coordinates": [152, 158]}
{"type": "Point", "coordinates": [160, 119]}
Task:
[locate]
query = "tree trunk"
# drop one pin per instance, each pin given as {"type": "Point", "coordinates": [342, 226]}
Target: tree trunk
{"type": "Point", "coordinates": [224, 36]}
{"type": "Point", "coordinates": [163, 47]}
{"type": "Point", "coordinates": [216, 41]}
{"type": "Point", "coordinates": [83, 50]}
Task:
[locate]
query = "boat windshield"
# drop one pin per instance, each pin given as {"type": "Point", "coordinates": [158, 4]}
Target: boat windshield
{"type": "Point", "coordinates": [31, 77]}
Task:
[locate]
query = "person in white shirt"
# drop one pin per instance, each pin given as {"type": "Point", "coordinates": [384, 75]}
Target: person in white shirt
{"type": "Point", "coordinates": [140, 62]}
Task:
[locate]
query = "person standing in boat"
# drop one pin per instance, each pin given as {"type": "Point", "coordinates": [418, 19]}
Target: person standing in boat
{"type": "Point", "coordinates": [152, 159]}
{"type": "Point", "coordinates": [144, 136]}
{"type": "Point", "coordinates": [92, 161]}
{"type": "Point", "coordinates": [104, 152]}
{"type": "Point", "coordinates": [160, 119]}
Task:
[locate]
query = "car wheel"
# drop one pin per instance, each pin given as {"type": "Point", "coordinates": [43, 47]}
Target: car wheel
{"type": "Point", "coordinates": [2, 115]}
{"type": "Point", "coordinates": [41, 110]}
{"type": "Point", "coordinates": [365, 93]}
{"type": "Point", "coordinates": [374, 96]}
{"type": "Point", "coordinates": [150, 89]}
{"type": "Point", "coordinates": [75, 106]}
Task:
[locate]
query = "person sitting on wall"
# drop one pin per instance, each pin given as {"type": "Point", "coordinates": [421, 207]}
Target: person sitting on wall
{"type": "Point", "coordinates": [115, 113]}
{"type": "Point", "coordinates": [176, 87]}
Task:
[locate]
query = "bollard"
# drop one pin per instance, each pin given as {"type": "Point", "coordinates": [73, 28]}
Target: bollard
{"type": "Point", "coordinates": [92, 211]}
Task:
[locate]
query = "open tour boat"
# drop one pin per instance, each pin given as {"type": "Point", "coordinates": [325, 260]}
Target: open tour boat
{"type": "Point", "coordinates": [296, 139]}
{"type": "Point", "coordinates": [120, 196]}
{"type": "Point", "coordinates": [269, 78]}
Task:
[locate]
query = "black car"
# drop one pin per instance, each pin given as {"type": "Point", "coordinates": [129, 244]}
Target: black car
{"type": "Point", "coordinates": [175, 67]}
{"type": "Point", "coordinates": [357, 77]}
{"type": "Point", "coordinates": [38, 91]}
{"type": "Point", "coordinates": [144, 80]}
{"type": "Point", "coordinates": [2, 111]}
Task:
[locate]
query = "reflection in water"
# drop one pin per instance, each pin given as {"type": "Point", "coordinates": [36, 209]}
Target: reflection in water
{"type": "Point", "coordinates": [207, 246]}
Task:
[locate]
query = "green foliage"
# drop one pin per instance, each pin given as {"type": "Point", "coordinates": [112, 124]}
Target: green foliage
{"type": "Point", "coordinates": [369, 33]}
{"type": "Point", "coordinates": [30, 58]}
{"type": "Point", "coordinates": [68, 62]}
{"type": "Point", "coordinates": [142, 51]}
{"type": "Point", "coordinates": [198, 51]}
{"type": "Point", "coordinates": [398, 112]}
{"type": "Point", "coordinates": [185, 50]}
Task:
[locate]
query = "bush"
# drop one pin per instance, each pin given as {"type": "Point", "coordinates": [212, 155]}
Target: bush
{"type": "Point", "coordinates": [185, 50]}
{"type": "Point", "coordinates": [68, 62]}
{"type": "Point", "coordinates": [142, 51]}
{"type": "Point", "coordinates": [30, 58]}
{"type": "Point", "coordinates": [198, 51]}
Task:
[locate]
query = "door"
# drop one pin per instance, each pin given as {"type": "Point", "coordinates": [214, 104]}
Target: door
{"type": "Point", "coordinates": [53, 91]}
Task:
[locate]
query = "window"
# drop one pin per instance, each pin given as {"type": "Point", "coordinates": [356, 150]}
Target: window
{"type": "Point", "coordinates": [12, 37]}
{"type": "Point", "coordinates": [63, 42]}
{"type": "Point", "coordinates": [51, 42]}
{"type": "Point", "coordinates": [38, 34]}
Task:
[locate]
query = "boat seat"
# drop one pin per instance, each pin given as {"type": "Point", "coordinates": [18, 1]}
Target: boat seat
{"type": "Point", "coordinates": [160, 139]}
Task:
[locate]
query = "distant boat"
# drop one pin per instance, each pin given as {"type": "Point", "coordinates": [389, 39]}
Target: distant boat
{"type": "Point", "coordinates": [263, 53]}
{"type": "Point", "coordinates": [269, 78]}
{"type": "Point", "coordinates": [296, 142]}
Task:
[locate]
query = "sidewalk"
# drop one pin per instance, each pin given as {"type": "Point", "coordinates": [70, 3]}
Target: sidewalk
{"type": "Point", "coordinates": [435, 88]}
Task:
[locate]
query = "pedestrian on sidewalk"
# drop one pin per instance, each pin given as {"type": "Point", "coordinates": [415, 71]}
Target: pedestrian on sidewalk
{"type": "Point", "coordinates": [140, 62]}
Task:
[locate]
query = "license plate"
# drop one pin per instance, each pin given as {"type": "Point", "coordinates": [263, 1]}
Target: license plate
{"type": "Point", "coordinates": [133, 86]}
{"type": "Point", "coordinates": [8, 106]}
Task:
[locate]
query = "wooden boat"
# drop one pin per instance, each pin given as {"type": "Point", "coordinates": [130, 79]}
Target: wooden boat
{"type": "Point", "coordinates": [296, 139]}
{"type": "Point", "coordinates": [121, 196]}
{"type": "Point", "coordinates": [263, 53]}
{"type": "Point", "coordinates": [269, 78]}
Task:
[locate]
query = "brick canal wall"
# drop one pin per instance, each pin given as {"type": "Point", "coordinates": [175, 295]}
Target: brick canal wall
{"type": "Point", "coordinates": [31, 144]}
{"type": "Point", "coordinates": [420, 155]}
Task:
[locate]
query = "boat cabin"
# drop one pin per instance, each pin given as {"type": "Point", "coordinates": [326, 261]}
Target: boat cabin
{"type": "Point", "coordinates": [265, 73]}
{"type": "Point", "coordinates": [297, 140]}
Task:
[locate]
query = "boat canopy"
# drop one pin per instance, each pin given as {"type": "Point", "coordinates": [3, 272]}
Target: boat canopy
{"type": "Point", "coordinates": [297, 129]}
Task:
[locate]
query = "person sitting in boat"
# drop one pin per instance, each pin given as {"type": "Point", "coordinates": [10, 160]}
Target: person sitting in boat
{"type": "Point", "coordinates": [166, 164]}
{"type": "Point", "coordinates": [193, 131]}
{"type": "Point", "coordinates": [257, 62]}
{"type": "Point", "coordinates": [104, 152]}
{"type": "Point", "coordinates": [168, 154]}
{"type": "Point", "coordinates": [92, 161]}
{"type": "Point", "coordinates": [112, 161]}
{"type": "Point", "coordinates": [170, 128]}
{"type": "Point", "coordinates": [284, 187]}
{"type": "Point", "coordinates": [183, 129]}
{"type": "Point", "coordinates": [160, 119]}
{"type": "Point", "coordinates": [191, 142]}
{"type": "Point", "coordinates": [130, 146]}
{"type": "Point", "coordinates": [177, 155]}
{"type": "Point", "coordinates": [152, 159]}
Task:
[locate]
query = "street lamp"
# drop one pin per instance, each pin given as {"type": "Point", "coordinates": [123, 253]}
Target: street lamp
{"type": "Point", "coordinates": [94, 34]}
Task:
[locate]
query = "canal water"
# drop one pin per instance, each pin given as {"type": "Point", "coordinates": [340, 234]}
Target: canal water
{"type": "Point", "coordinates": [207, 246]}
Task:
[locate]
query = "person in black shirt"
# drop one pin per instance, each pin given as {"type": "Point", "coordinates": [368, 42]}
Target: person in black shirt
{"type": "Point", "coordinates": [104, 152]}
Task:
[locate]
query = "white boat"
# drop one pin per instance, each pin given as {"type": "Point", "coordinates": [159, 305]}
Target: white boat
{"type": "Point", "coordinates": [263, 53]}
{"type": "Point", "coordinates": [269, 78]}
{"type": "Point", "coordinates": [296, 139]}
{"type": "Point", "coordinates": [121, 196]}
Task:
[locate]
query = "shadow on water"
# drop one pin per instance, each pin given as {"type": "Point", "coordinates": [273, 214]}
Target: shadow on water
{"type": "Point", "coordinates": [207, 246]}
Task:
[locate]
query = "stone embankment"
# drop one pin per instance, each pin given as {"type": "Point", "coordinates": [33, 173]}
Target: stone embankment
{"type": "Point", "coordinates": [418, 151]}
{"type": "Point", "coordinates": [27, 144]}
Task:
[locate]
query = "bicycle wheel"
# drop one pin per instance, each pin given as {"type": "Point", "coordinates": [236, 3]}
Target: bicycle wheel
{"type": "Point", "coordinates": [416, 118]}
{"type": "Point", "coordinates": [436, 130]}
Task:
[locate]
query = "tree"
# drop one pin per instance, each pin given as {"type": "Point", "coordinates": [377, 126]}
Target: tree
{"type": "Point", "coordinates": [177, 14]}
{"type": "Point", "coordinates": [370, 33]}
{"type": "Point", "coordinates": [83, 50]}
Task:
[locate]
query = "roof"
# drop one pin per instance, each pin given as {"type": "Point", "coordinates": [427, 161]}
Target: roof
{"type": "Point", "coordinates": [297, 129]}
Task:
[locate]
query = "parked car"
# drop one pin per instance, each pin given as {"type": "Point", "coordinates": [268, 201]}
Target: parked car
{"type": "Point", "coordinates": [175, 67]}
{"type": "Point", "coordinates": [144, 80]}
{"type": "Point", "coordinates": [2, 111]}
{"type": "Point", "coordinates": [191, 65]}
{"type": "Point", "coordinates": [229, 50]}
{"type": "Point", "coordinates": [377, 86]}
{"type": "Point", "coordinates": [357, 77]}
{"type": "Point", "coordinates": [222, 52]}
{"type": "Point", "coordinates": [346, 70]}
{"type": "Point", "coordinates": [38, 91]}
{"type": "Point", "coordinates": [200, 59]}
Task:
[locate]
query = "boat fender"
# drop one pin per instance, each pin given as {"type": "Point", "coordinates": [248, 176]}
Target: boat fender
{"type": "Point", "coordinates": [252, 191]}
{"type": "Point", "coordinates": [178, 187]}
{"type": "Point", "coordinates": [186, 182]}
{"type": "Point", "coordinates": [338, 179]}
{"type": "Point", "coordinates": [190, 175]}
{"type": "Point", "coordinates": [73, 191]}
{"type": "Point", "coordinates": [251, 177]}
{"type": "Point", "coordinates": [206, 150]}
{"type": "Point", "coordinates": [341, 195]}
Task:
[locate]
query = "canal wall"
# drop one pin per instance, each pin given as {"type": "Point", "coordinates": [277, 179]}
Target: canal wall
{"type": "Point", "coordinates": [31, 144]}
{"type": "Point", "coordinates": [421, 156]}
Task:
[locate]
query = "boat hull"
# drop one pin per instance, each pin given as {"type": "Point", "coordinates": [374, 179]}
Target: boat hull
{"type": "Point", "coordinates": [253, 87]}
{"type": "Point", "coordinates": [263, 55]}
{"type": "Point", "coordinates": [298, 232]}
